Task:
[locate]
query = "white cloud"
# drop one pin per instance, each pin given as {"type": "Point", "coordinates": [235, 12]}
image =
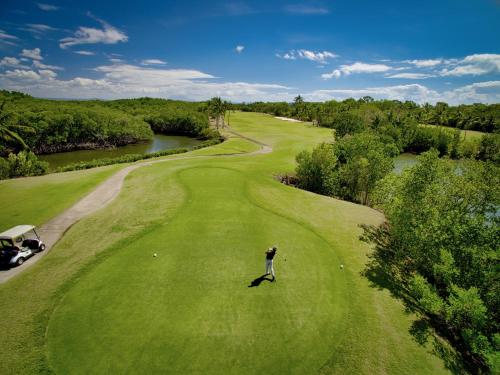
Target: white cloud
{"type": "Point", "coordinates": [12, 62]}
{"type": "Point", "coordinates": [148, 77]}
{"type": "Point", "coordinates": [306, 9]}
{"type": "Point", "coordinates": [334, 74]}
{"type": "Point", "coordinates": [121, 81]}
{"type": "Point", "coordinates": [89, 35]}
{"type": "Point", "coordinates": [7, 38]}
{"type": "Point", "coordinates": [21, 75]}
{"type": "Point", "coordinates": [38, 30]}
{"type": "Point", "coordinates": [239, 49]}
{"type": "Point", "coordinates": [47, 7]}
{"type": "Point", "coordinates": [34, 54]}
{"type": "Point", "coordinates": [153, 62]}
{"type": "Point", "coordinates": [428, 63]}
{"type": "Point", "coordinates": [357, 67]}
{"type": "Point", "coordinates": [40, 27]}
{"type": "Point", "coordinates": [39, 65]}
{"type": "Point", "coordinates": [320, 57]}
{"type": "Point", "coordinates": [477, 64]}
{"type": "Point", "coordinates": [411, 75]}
{"type": "Point", "coordinates": [85, 53]}
{"type": "Point", "coordinates": [48, 74]}
{"type": "Point", "coordinates": [485, 92]}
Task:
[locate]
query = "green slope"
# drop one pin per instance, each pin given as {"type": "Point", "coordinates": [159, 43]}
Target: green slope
{"type": "Point", "coordinates": [107, 305]}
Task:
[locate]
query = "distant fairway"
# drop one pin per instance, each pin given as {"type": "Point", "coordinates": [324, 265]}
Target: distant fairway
{"type": "Point", "coordinates": [469, 135]}
{"type": "Point", "coordinates": [104, 304]}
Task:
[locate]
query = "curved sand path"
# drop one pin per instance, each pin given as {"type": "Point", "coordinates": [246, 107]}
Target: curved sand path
{"type": "Point", "coordinates": [99, 198]}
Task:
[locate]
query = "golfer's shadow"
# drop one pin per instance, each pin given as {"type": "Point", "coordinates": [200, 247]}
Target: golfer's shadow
{"type": "Point", "coordinates": [259, 280]}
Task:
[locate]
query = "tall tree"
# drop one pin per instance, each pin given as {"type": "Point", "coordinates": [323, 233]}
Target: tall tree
{"type": "Point", "coordinates": [217, 109]}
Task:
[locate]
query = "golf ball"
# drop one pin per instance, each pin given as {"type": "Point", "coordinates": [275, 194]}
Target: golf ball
{"type": "Point", "coordinates": [341, 266]}
{"type": "Point", "coordinates": [155, 254]}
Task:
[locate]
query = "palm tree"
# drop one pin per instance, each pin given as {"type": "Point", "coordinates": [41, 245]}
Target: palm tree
{"type": "Point", "coordinates": [8, 131]}
{"type": "Point", "coordinates": [227, 107]}
{"type": "Point", "coordinates": [217, 109]}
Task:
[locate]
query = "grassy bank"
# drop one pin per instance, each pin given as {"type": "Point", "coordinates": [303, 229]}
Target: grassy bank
{"type": "Point", "coordinates": [105, 304]}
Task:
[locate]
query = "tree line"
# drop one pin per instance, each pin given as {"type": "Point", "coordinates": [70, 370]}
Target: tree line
{"type": "Point", "coordinates": [31, 126]}
{"type": "Point", "coordinates": [366, 110]}
{"type": "Point", "coordinates": [438, 247]}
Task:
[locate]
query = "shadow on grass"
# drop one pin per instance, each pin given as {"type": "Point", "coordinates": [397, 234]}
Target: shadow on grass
{"type": "Point", "coordinates": [259, 281]}
{"type": "Point", "coordinates": [383, 276]}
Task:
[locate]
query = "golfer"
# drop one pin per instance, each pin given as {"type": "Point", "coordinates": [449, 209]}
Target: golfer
{"type": "Point", "coordinates": [269, 260]}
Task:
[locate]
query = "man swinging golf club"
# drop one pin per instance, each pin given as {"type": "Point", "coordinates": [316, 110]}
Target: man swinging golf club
{"type": "Point", "coordinates": [269, 260]}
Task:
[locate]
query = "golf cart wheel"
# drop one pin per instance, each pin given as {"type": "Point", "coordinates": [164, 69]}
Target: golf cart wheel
{"type": "Point", "coordinates": [20, 261]}
{"type": "Point", "coordinates": [42, 247]}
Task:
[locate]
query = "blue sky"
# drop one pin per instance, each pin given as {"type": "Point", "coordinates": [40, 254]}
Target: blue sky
{"type": "Point", "coordinates": [424, 51]}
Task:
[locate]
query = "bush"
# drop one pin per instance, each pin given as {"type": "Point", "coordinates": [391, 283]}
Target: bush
{"type": "Point", "coordinates": [348, 169]}
{"type": "Point", "coordinates": [25, 163]}
{"type": "Point", "coordinates": [4, 169]}
{"type": "Point", "coordinates": [489, 148]}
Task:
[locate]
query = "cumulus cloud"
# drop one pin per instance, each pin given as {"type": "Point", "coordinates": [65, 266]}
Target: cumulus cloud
{"type": "Point", "coordinates": [21, 76]}
{"type": "Point", "coordinates": [153, 62]}
{"type": "Point", "coordinates": [123, 80]}
{"type": "Point", "coordinates": [485, 92]}
{"type": "Point", "coordinates": [47, 74]}
{"type": "Point", "coordinates": [306, 9]}
{"type": "Point", "coordinates": [357, 67]}
{"type": "Point", "coordinates": [47, 7]}
{"type": "Point", "coordinates": [34, 54]}
{"type": "Point", "coordinates": [12, 62]}
{"type": "Point", "coordinates": [85, 53]}
{"type": "Point", "coordinates": [477, 64]}
{"type": "Point", "coordinates": [320, 57]}
{"type": "Point", "coordinates": [239, 49]}
{"type": "Point", "coordinates": [39, 65]}
{"type": "Point", "coordinates": [411, 75]}
{"type": "Point", "coordinates": [89, 35]}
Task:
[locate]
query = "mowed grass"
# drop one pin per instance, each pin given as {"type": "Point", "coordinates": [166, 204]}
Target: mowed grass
{"type": "Point", "coordinates": [35, 200]}
{"type": "Point", "coordinates": [469, 135]}
{"type": "Point", "coordinates": [104, 304]}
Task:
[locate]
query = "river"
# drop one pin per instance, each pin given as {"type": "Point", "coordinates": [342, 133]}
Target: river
{"type": "Point", "coordinates": [158, 143]}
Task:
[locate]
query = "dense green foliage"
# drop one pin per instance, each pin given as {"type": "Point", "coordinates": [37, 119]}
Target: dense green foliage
{"type": "Point", "coordinates": [48, 126]}
{"type": "Point", "coordinates": [480, 117]}
{"type": "Point", "coordinates": [348, 169]}
{"type": "Point", "coordinates": [171, 117]}
{"type": "Point", "coordinates": [439, 250]}
{"type": "Point", "coordinates": [25, 163]}
{"type": "Point", "coordinates": [399, 121]}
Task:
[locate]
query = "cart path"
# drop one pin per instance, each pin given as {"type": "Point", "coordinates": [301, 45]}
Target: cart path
{"type": "Point", "coordinates": [100, 197]}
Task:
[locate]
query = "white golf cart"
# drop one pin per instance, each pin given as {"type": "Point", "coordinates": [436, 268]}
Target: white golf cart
{"type": "Point", "coordinates": [18, 244]}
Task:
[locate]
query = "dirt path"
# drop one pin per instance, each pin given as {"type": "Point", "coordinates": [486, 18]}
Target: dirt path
{"type": "Point", "coordinates": [100, 197]}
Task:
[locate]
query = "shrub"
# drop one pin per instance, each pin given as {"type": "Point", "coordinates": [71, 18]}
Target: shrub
{"type": "Point", "coordinates": [25, 163]}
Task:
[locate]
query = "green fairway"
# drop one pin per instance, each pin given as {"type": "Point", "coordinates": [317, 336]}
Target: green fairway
{"type": "Point", "coordinates": [35, 200]}
{"type": "Point", "coordinates": [104, 304]}
{"type": "Point", "coordinates": [466, 134]}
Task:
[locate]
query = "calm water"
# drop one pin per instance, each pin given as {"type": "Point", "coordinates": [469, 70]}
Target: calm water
{"type": "Point", "coordinates": [158, 143]}
{"type": "Point", "coordinates": [404, 161]}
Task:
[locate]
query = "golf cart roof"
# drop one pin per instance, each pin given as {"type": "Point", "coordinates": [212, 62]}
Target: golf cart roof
{"type": "Point", "coordinates": [15, 232]}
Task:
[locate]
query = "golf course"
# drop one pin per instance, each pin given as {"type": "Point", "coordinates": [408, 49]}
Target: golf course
{"type": "Point", "coordinates": [100, 302]}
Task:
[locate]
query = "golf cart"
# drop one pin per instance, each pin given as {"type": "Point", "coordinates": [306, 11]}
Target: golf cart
{"type": "Point", "coordinates": [18, 244]}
